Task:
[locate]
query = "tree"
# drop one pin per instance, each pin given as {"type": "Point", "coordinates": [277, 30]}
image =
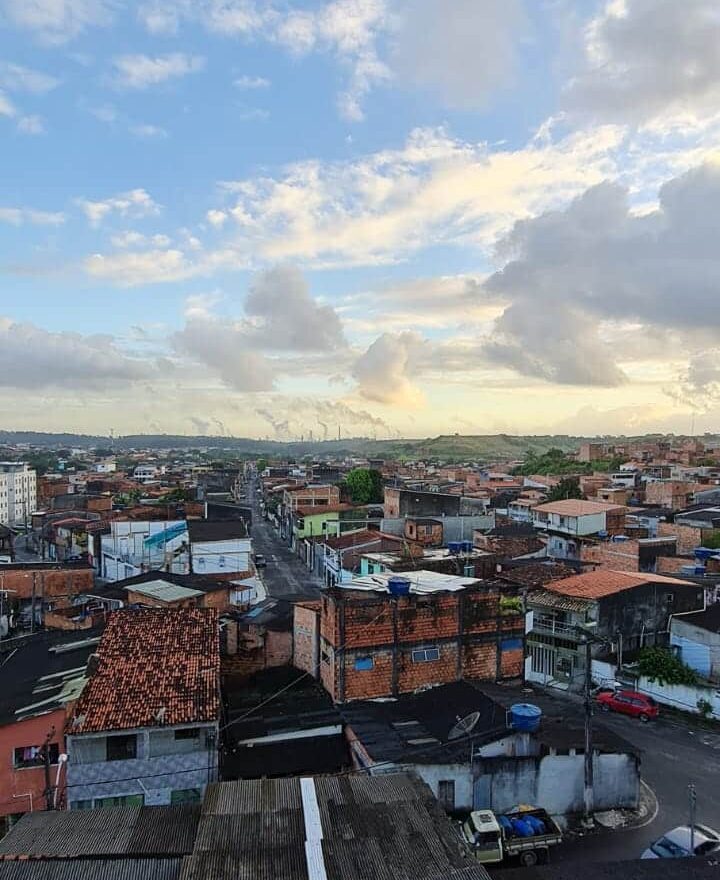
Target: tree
{"type": "Point", "coordinates": [261, 464]}
{"type": "Point", "coordinates": [569, 487]}
{"type": "Point", "coordinates": [365, 486]}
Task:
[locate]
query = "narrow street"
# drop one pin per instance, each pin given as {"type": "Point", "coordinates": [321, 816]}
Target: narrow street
{"type": "Point", "coordinates": [285, 576]}
{"type": "Point", "coordinates": [672, 754]}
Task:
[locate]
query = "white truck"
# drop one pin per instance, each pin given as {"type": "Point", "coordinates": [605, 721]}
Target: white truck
{"type": "Point", "coordinates": [525, 834]}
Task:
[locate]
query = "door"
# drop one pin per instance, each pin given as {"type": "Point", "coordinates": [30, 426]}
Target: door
{"type": "Point", "coordinates": [482, 793]}
{"type": "Point", "coordinates": [446, 794]}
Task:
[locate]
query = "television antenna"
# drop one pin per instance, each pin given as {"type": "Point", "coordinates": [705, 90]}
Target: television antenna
{"type": "Point", "coordinates": [464, 725]}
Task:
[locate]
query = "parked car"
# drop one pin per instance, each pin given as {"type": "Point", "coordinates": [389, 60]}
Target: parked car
{"type": "Point", "coordinates": [631, 703]}
{"type": "Point", "coordinates": [260, 561]}
{"type": "Point", "coordinates": [676, 843]}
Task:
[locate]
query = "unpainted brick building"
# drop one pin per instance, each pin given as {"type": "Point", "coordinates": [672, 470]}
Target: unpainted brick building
{"type": "Point", "coordinates": [373, 644]}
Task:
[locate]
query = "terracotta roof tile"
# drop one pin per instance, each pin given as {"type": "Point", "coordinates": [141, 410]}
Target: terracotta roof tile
{"type": "Point", "coordinates": [604, 582]}
{"type": "Point", "coordinates": [151, 660]}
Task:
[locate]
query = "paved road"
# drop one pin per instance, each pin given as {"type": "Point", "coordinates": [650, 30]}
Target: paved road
{"type": "Point", "coordinates": [672, 756]}
{"type": "Point", "coordinates": [285, 577]}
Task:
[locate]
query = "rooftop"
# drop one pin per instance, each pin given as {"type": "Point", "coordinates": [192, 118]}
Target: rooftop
{"type": "Point", "coordinates": [155, 667]}
{"type": "Point", "coordinates": [216, 530]}
{"type": "Point", "coordinates": [709, 619]}
{"type": "Point", "coordinates": [42, 672]}
{"type": "Point", "coordinates": [421, 581]}
{"type": "Point", "coordinates": [605, 582]}
{"type": "Point", "coordinates": [164, 591]}
{"type": "Point", "coordinates": [575, 507]}
{"type": "Point", "coordinates": [535, 574]}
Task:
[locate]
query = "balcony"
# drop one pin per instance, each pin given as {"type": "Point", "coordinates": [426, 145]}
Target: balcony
{"type": "Point", "coordinates": [546, 624]}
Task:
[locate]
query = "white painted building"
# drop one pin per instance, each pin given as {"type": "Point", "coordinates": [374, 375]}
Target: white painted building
{"type": "Point", "coordinates": [18, 492]}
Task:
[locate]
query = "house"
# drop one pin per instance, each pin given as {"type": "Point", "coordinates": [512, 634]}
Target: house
{"type": "Point", "coordinates": [145, 729]}
{"type": "Point", "coordinates": [258, 639]}
{"type": "Point", "coordinates": [388, 634]}
{"type": "Point", "coordinates": [42, 675]}
{"type": "Point", "coordinates": [400, 503]}
{"type": "Point", "coordinates": [696, 639]}
{"type": "Point", "coordinates": [45, 584]}
{"type": "Point", "coordinates": [467, 561]}
{"type": "Point", "coordinates": [305, 525]}
{"type": "Point", "coordinates": [425, 531]}
{"type": "Point", "coordinates": [300, 732]}
{"type": "Point", "coordinates": [311, 496]}
{"type": "Point", "coordinates": [136, 546]}
{"type": "Point", "coordinates": [520, 509]}
{"type": "Point", "coordinates": [592, 451]}
{"type": "Point", "coordinates": [675, 494]}
{"type": "Point", "coordinates": [312, 827]}
{"type": "Point", "coordinates": [567, 522]}
{"type": "Point", "coordinates": [338, 559]}
{"type": "Point", "coordinates": [623, 554]}
{"type": "Point", "coordinates": [218, 547]}
{"type": "Point", "coordinates": [462, 743]}
{"type": "Point", "coordinates": [612, 608]}
{"type": "Point", "coordinates": [162, 589]}
{"type": "Point", "coordinates": [514, 541]}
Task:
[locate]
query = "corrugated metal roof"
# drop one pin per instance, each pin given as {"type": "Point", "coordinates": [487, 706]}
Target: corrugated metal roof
{"type": "Point", "coordinates": [164, 591]}
{"type": "Point", "coordinates": [93, 869]}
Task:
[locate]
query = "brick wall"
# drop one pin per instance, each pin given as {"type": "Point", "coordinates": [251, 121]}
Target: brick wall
{"type": "Point", "coordinates": [668, 493]}
{"type": "Point", "coordinates": [219, 599]}
{"type": "Point", "coordinates": [49, 582]}
{"type": "Point", "coordinates": [391, 503]}
{"type": "Point", "coordinates": [374, 637]}
{"type": "Point", "coordinates": [56, 620]}
{"type": "Point", "coordinates": [688, 537]}
{"type": "Point", "coordinates": [624, 556]}
{"type": "Point", "coordinates": [306, 633]}
{"type": "Point", "coordinates": [672, 564]}
{"type": "Point", "coordinates": [256, 649]}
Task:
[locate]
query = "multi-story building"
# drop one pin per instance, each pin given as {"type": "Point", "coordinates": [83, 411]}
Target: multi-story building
{"type": "Point", "coordinates": [18, 493]}
{"type": "Point", "coordinates": [373, 641]}
{"type": "Point", "coordinates": [567, 522]}
{"type": "Point", "coordinates": [145, 730]}
{"type": "Point", "coordinates": [611, 608]}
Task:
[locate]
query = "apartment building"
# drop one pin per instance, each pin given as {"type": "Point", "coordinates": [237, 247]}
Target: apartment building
{"type": "Point", "coordinates": [145, 730]}
{"type": "Point", "coordinates": [18, 493]}
{"type": "Point", "coordinates": [388, 634]}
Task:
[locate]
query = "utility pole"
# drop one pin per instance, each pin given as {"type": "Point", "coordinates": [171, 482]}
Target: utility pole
{"type": "Point", "coordinates": [692, 797]}
{"type": "Point", "coordinates": [589, 781]}
{"type": "Point", "coordinates": [46, 761]}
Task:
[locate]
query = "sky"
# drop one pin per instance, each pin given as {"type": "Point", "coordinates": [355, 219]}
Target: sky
{"type": "Point", "coordinates": [387, 218]}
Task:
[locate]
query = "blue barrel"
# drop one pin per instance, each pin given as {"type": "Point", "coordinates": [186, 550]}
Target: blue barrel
{"type": "Point", "coordinates": [455, 547]}
{"type": "Point", "coordinates": [525, 717]}
{"type": "Point", "coordinates": [399, 586]}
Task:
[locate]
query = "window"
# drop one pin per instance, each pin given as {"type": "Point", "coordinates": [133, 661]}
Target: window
{"type": "Point", "coordinates": [185, 796]}
{"type": "Point", "coordinates": [425, 655]}
{"type": "Point", "coordinates": [188, 733]}
{"type": "Point", "coordinates": [221, 561]}
{"type": "Point", "coordinates": [364, 663]}
{"type": "Point", "coordinates": [511, 644]}
{"type": "Point", "coordinates": [670, 598]}
{"type": "Point", "coordinates": [81, 805]}
{"type": "Point", "coordinates": [469, 571]}
{"type": "Point", "coordinates": [25, 757]}
{"type": "Point", "coordinates": [446, 793]}
{"type": "Point", "coordinates": [123, 800]}
{"type": "Point", "coordinates": [121, 748]}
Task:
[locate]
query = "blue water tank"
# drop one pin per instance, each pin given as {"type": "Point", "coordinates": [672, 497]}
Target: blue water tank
{"type": "Point", "coordinates": [525, 717]}
{"type": "Point", "coordinates": [399, 586]}
{"type": "Point", "coordinates": [704, 553]}
{"type": "Point", "coordinates": [467, 546]}
{"type": "Point", "coordinates": [455, 547]}
{"type": "Point", "coordinates": [699, 570]}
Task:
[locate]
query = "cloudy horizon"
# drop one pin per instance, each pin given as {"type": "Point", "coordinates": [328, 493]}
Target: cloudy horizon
{"type": "Point", "coordinates": [262, 218]}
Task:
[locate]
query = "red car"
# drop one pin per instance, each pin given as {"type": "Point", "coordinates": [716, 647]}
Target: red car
{"type": "Point", "coordinates": [629, 703]}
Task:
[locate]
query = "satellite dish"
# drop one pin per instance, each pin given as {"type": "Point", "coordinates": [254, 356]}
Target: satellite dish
{"type": "Point", "coordinates": [464, 726]}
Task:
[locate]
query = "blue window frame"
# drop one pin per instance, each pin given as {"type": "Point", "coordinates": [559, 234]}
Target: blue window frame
{"type": "Point", "coordinates": [362, 664]}
{"type": "Point", "coordinates": [425, 655]}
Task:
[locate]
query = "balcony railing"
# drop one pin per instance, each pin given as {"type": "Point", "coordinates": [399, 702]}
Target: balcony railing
{"type": "Point", "coordinates": [548, 625]}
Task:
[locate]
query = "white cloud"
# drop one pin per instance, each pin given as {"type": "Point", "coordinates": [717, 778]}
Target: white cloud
{"type": "Point", "coordinates": [463, 55]}
{"type": "Point", "coordinates": [31, 125]}
{"type": "Point", "coordinates": [142, 71]}
{"type": "Point", "coordinates": [131, 238]}
{"type": "Point", "coordinates": [251, 82]}
{"type": "Point", "coordinates": [647, 59]}
{"type": "Point", "coordinates": [571, 273]}
{"type": "Point", "coordinates": [16, 78]}
{"type": "Point", "coordinates": [147, 131]}
{"type": "Point", "coordinates": [57, 21]}
{"type": "Point", "coordinates": [134, 203]}
{"type": "Point", "coordinates": [145, 267]}
{"type": "Point", "coordinates": [435, 190]}
{"type": "Point", "coordinates": [20, 216]}
{"type": "Point", "coordinates": [7, 108]}
{"type": "Point", "coordinates": [33, 358]}
{"type": "Point", "coordinates": [384, 372]}
{"type": "Point", "coordinates": [216, 218]}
